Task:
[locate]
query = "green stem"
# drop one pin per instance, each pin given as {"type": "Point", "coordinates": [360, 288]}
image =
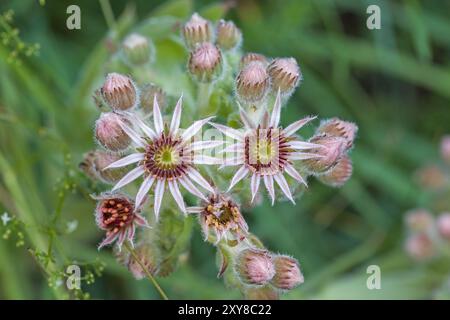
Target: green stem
{"type": "Point", "coordinates": [149, 275]}
{"type": "Point", "coordinates": [203, 95]}
{"type": "Point", "coordinates": [108, 14]}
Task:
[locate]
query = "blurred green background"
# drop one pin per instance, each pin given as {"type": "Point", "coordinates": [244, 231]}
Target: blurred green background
{"type": "Point", "coordinates": [393, 82]}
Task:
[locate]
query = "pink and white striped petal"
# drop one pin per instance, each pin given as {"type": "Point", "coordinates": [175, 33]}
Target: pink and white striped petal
{"type": "Point", "coordinates": [157, 117]}
{"type": "Point", "coordinates": [207, 144]}
{"type": "Point", "coordinates": [176, 194]}
{"type": "Point", "coordinates": [295, 126]}
{"type": "Point", "coordinates": [176, 118]}
{"type": "Point", "coordinates": [197, 177]}
{"type": "Point", "coordinates": [290, 170]}
{"type": "Point", "coordinates": [303, 156]}
{"type": "Point", "coordinates": [133, 135]}
{"type": "Point", "coordinates": [281, 181]}
{"type": "Point", "coordinates": [189, 186]}
{"type": "Point", "coordinates": [159, 194]}
{"type": "Point", "coordinates": [143, 190]}
{"type": "Point", "coordinates": [194, 128]}
{"type": "Point", "coordinates": [238, 176]}
{"type": "Point", "coordinates": [268, 181]}
{"type": "Point", "coordinates": [230, 132]}
{"type": "Point", "coordinates": [202, 159]}
{"type": "Point", "coordinates": [302, 145]}
{"type": "Point", "coordinates": [254, 184]}
{"type": "Point", "coordinates": [129, 177]}
{"type": "Point", "coordinates": [275, 118]}
{"type": "Point", "coordinates": [132, 158]}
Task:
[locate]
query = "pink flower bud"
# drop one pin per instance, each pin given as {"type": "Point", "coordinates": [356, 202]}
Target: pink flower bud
{"type": "Point", "coordinates": [250, 57]}
{"type": "Point", "coordinates": [205, 62]}
{"type": "Point", "coordinates": [339, 128]}
{"type": "Point", "coordinates": [419, 220]}
{"type": "Point", "coordinates": [101, 160]}
{"type": "Point", "coordinates": [420, 247]}
{"type": "Point", "coordinates": [119, 92]}
{"type": "Point", "coordinates": [137, 49]}
{"type": "Point", "coordinates": [445, 148]}
{"type": "Point", "coordinates": [329, 153]}
{"type": "Point", "coordinates": [443, 225]}
{"type": "Point", "coordinates": [148, 256]}
{"type": "Point", "coordinates": [284, 74]}
{"type": "Point", "coordinates": [197, 30]}
{"type": "Point", "coordinates": [339, 174]}
{"type": "Point", "coordinates": [147, 94]}
{"type": "Point", "coordinates": [253, 83]}
{"type": "Point", "coordinates": [228, 35]}
{"type": "Point", "coordinates": [109, 132]}
{"type": "Point", "coordinates": [254, 267]}
{"type": "Point", "coordinates": [287, 273]}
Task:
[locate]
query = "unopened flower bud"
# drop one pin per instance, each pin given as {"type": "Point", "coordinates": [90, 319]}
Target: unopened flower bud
{"type": "Point", "coordinates": [420, 247]}
{"type": "Point", "coordinates": [102, 159]}
{"type": "Point", "coordinates": [148, 257]}
{"type": "Point", "coordinates": [419, 220]}
{"type": "Point", "coordinates": [109, 132]}
{"type": "Point", "coordinates": [205, 62]}
{"type": "Point", "coordinates": [250, 57]}
{"type": "Point", "coordinates": [147, 94]}
{"type": "Point", "coordinates": [119, 92]}
{"type": "Point", "coordinates": [287, 273]}
{"type": "Point", "coordinates": [228, 35]}
{"type": "Point", "coordinates": [330, 151]}
{"type": "Point", "coordinates": [137, 49]}
{"type": "Point", "coordinates": [339, 174]}
{"type": "Point", "coordinates": [339, 128]}
{"type": "Point", "coordinates": [197, 30]}
{"type": "Point", "coordinates": [285, 75]}
{"type": "Point", "coordinates": [254, 267]}
{"type": "Point", "coordinates": [431, 177]}
{"type": "Point", "coordinates": [445, 148]}
{"type": "Point", "coordinates": [261, 293]}
{"type": "Point", "coordinates": [253, 83]}
{"type": "Point", "coordinates": [443, 225]}
{"type": "Point", "coordinates": [87, 165]}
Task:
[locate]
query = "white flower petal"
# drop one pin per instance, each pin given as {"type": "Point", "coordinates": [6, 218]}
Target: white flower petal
{"type": "Point", "coordinates": [246, 119]}
{"type": "Point", "coordinates": [189, 186]}
{"type": "Point", "coordinates": [143, 190]}
{"type": "Point", "coordinates": [129, 177]}
{"type": "Point", "coordinates": [254, 185]}
{"type": "Point", "coordinates": [233, 148]}
{"type": "Point", "coordinates": [281, 181]}
{"type": "Point", "coordinates": [303, 156]}
{"type": "Point", "coordinates": [197, 177]}
{"type": "Point", "coordinates": [133, 135]}
{"type": "Point", "coordinates": [159, 193]}
{"type": "Point", "coordinates": [207, 144]}
{"type": "Point", "coordinates": [275, 118]}
{"type": "Point", "coordinates": [230, 132]}
{"type": "Point", "coordinates": [238, 176]}
{"type": "Point", "coordinates": [146, 129]}
{"type": "Point", "coordinates": [232, 161]}
{"type": "Point", "coordinates": [268, 181]}
{"type": "Point", "coordinates": [176, 194]}
{"type": "Point", "coordinates": [265, 120]}
{"type": "Point", "coordinates": [301, 145]}
{"type": "Point", "coordinates": [194, 209]}
{"type": "Point", "coordinates": [290, 170]}
{"type": "Point", "coordinates": [157, 117]}
{"type": "Point", "coordinates": [176, 118]}
{"type": "Point", "coordinates": [294, 127]}
{"type": "Point", "coordinates": [132, 158]}
{"type": "Point", "coordinates": [202, 159]}
{"type": "Point", "coordinates": [194, 128]}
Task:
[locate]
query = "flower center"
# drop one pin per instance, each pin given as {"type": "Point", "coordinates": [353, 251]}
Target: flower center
{"type": "Point", "coordinates": [116, 214]}
{"type": "Point", "coordinates": [222, 215]}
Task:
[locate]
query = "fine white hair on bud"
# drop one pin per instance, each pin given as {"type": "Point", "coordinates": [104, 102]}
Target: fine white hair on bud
{"type": "Point", "coordinates": [287, 273]}
{"type": "Point", "coordinates": [137, 49]}
{"type": "Point", "coordinates": [228, 36]}
{"type": "Point", "coordinates": [253, 83]}
{"type": "Point", "coordinates": [254, 267]}
{"type": "Point", "coordinates": [250, 57]}
{"type": "Point", "coordinates": [285, 75]}
{"type": "Point", "coordinates": [196, 31]}
{"type": "Point", "coordinates": [205, 62]}
{"type": "Point", "coordinates": [339, 174]}
{"type": "Point", "coordinates": [119, 92]}
{"type": "Point", "coordinates": [109, 132]}
{"type": "Point", "coordinates": [102, 159]}
{"type": "Point", "coordinates": [339, 128]}
{"type": "Point", "coordinates": [329, 151]}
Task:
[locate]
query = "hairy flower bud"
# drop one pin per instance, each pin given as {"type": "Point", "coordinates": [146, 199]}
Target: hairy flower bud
{"type": "Point", "coordinates": [250, 57]}
{"type": "Point", "coordinates": [148, 256]}
{"type": "Point", "coordinates": [445, 148]}
{"type": "Point", "coordinates": [339, 128]}
{"type": "Point", "coordinates": [109, 132]}
{"type": "Point", "coordinates": [147, 94]}
{"type": "Point", "coordinates": [101, 160]}
{"type": "Point", "coordinates": [197, 30]}
{"type": "Point", "coordinates": [285, 75]}
{"type": "Point", "coordinates": [254, 267]}
{"type": "Point", "coordinates": [87, 165]}
{"type": "Point", "coordinates": [287, 272]}
{"type": "Point", "coordinates": [137, 49]}
{"type": "Point", "coordinates": [443, 225]}
{"type": "Point", "coordinates": [419, 246]}
{"type": "Point", "coordinates": [330, 151]}
{"type": "Point", "coordinates": [228, 35]}
{"type": "Point", "coordinates": [339, 174]}
{"type": "Point", "coordinates": [119, 92]}
{"type": "Point", "coordinates": [253, 83]}
{"type": "Point", "coordinates": [419, 220]}
{"type": "Point", "coordinates": [205, 62]}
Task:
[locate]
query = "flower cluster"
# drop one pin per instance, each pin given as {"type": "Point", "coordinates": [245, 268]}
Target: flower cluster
{"type": "Point", "coordinates": [206, 164]}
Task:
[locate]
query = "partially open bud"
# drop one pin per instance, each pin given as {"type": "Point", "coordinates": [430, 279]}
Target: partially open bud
{"type": "Point", "coordinates": [250, 57]}
{"type": "Point", "coordinates": [419, 220]}
{"type": "Point", "coordinates": [228, 35]}
{"type": "Point", "coordinates": [445, 148]}
{"type": "Point", "coordinates": [197, 30]}
{"type": "Point", "coordinates": [331, 150]}
{"type": "Point", "coordinates": [443, 225]}
{"type": "Point", "coordinates": [119, 92]}
{"type": "Point", "coordinates": [253, 83]}
{"type": "Point", "coordinates": [420, 247]}
{"type": "Point", "coordinates": [205, 62]}
{"type": "Point", "coordinates": [147, 94]}
{"type": "Point", "coordinates": [339, 128]}
{"type": "Point", "coordinates": [285, 75]}
{"type": "Point", "coordinates": [287, 273]}
{"type": "Point", "coordinates": [137, 49]}
{"type": "Point", "coordinates": [102, 159]}
{"type": "Point", "coordinates": [254, 267]}
{"type": "Point", "coordinates": [261, 293]}
{"type": "Point", "coordinates": [148, 255]}
{"type": "Point", "coordinates": [109, 132]}
{"type": "Point", "coordinates": [339, 174]}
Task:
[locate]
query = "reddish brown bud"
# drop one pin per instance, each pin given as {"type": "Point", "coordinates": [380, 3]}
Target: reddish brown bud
{"type": "Point", "coordinates": [250, 57]}
{"type": "Point", "coordinates": [197, 30]}
{"type": "Point", "coordinates": [253, 83]}
{"type": "Point", "coordinates": [109, 132]}
{"type": "Point", "coordinates": [339, 174]}
{"type": "Point", "coordinates": [119, 92]}
{"type": "Point", "coordinates": [205, 62]}
{"type": "Point", "coordinates": [101, 160]}
{"type": "Point", "coordinates": [285, 75]}
{"type": "Point", "coordinates": [331, 149]}
{"type": "Point", "coordinates": [254, 267]}
{"type": "Point", "coordinates": [339, 128]}
{"type": "Point", "coordinates": [287, 273]}
{"type": "Point", "coordinates": [228, 35]}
